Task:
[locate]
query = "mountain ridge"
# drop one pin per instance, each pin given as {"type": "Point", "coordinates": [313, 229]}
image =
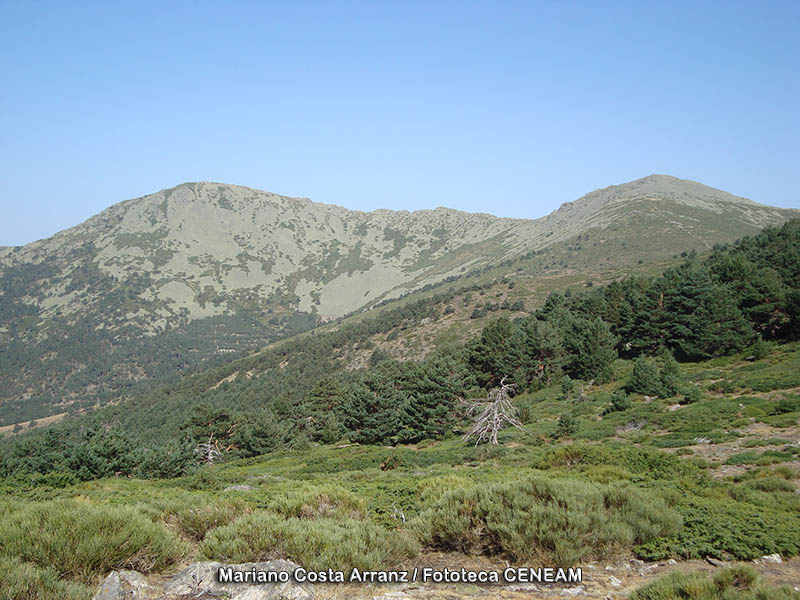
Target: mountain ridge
{"type": "Point", "coordinates": [164, 283]}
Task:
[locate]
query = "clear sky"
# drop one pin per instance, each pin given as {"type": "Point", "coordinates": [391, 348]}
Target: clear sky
{"type": "Point", "coordinates": [504, 107]}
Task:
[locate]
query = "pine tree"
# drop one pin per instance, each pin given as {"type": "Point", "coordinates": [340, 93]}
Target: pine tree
{"type": "Point", "coordinates": [645, 378]}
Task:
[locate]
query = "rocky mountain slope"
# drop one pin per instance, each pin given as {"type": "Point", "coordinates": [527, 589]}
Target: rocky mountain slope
{"type": "Point", "coordinates": [156, 286]}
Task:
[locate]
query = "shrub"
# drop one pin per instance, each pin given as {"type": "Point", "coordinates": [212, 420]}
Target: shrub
{"type": "Point", "coordinates": [645, 378]}
{"type": "Point", "coordinates": [771, 484]}
{"type": "Point", "coordinates": [760, 349]}
{"type": "Point", "coordinates": [24, 581]}
{"type": "Point", "coordinates": [567, 425]}
{"type": "Point", "coordinates": [567, 386]}
{"type": "Point", "coordinates": [561, 520]}
{"type": "Point", "coordinates": [82, 540]}
{"type": "Point", "coordinates": [619, 402]}
{"type": "Point", "coordinates": [787, 404]}
{"type": "Point", "coordinates": [315, 502]}
{"type": "Point", "coordinates": [193, 522]}
{"type": "Point", "coordinates": [433, 489]}
{"type": "Point", "coordinates": [691, 394]}
{"type": "Point", "coordinates": [316, 544]}
{"type": "Point", "coordinates": [737, 583]}
{"type": "Point", "coordinates": [724, 528]}
{"type": "Point", "coordinates": [670, 374]}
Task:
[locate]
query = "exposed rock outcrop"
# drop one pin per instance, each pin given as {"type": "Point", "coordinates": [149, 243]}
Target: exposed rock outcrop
{"type": "Point", "coordinates": [199, 581]}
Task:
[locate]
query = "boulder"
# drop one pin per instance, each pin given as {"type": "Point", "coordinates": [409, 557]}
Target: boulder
{"type": "Point", "coordinates": [126, 585]}
{"type": "Point", "coordinates": [199, 581]}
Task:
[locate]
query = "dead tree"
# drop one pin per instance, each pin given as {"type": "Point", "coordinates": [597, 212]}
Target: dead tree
{"type": "Point", "coordinates": [493, 414]}
{"type": "Point", "coordinates": [209, 451]}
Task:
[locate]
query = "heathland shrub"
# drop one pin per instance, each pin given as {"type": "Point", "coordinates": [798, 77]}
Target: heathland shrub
{"type": "Point", "coordinates": [724, 528]}
{"type": "Point", "coordinates": [320, 501]}
{"type": "Point", "coordinates": [737, 583]}
{"type": "Point", "coordinates": [561, 520]}
{"type": "Point", "coordinates": [315, 544]}
{"type": "Point", "coordinates": [81, 540]}
{"type": "Point", "coordinates": [645, 377]}
{"type": "Point", "coordinates": [24, 581]}
{"type": "Point", "coordinates": [193, 521]}
{"type": "Point", "coordinates": [619, 402]}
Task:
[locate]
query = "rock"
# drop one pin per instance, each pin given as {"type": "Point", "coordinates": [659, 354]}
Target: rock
{"type": "Point", "coordinates": [523, 587]}
{"type": "Point", "coordinates": [125, 585]}
{"type": "Point", "coordinates": [614, 581]}
{"type": "Point", "coordinates": [715, 561]}
{"type": "Point", "coordinates": [243, 487]}
{"type": "Point", "coordinates": [772, 558]}
{"type": "Point", "coordinates": [392, 596]}
{"type": "Point", "coordinates": [200, 581]}
{"type": "Point", "coordinates": [576, 591]}
{"type": "Point", "coordinates": [672, 561]}
{"type": "Point", "coordinates": [201, 578]}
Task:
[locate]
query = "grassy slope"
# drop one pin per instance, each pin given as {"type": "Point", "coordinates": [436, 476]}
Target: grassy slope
{"type": "Point", "coordinates": [687, 458]}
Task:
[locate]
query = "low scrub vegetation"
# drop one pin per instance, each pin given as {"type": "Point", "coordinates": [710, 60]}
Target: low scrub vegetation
{"type": "Point", "coordinates": [25, 581]}
{"type": "Point", "coordinates": [559, 520]}
{"type": "Point", "coordinates": [323, 543]}
{"type": "Point", "coordinates": [737, 583]}
{"type": "Point", "coordinates": [81, 540]}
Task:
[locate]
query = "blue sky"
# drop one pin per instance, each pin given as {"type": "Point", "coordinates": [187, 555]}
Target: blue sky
{"type": "Point", "coordinates": [504, 107]}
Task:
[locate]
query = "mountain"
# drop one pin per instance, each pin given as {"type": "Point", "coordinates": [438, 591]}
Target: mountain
{"type": "Point", "coordinates": [194, 275]}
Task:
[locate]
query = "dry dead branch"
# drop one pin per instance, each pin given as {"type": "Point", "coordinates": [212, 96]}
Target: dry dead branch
{"type": "Point", "coordinates": [493, 414]}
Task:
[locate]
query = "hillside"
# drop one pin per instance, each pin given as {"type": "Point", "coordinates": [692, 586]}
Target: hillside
{"type": "Point", "coordinates": [190, 277]}
{"type": "Point", "coordinates": [655, 433]}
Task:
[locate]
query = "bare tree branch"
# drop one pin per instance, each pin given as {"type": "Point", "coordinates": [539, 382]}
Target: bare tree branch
{"type": "Point", "coordinates": [493, 414]}
{"type": "Point", "coordinates": [209, 451]}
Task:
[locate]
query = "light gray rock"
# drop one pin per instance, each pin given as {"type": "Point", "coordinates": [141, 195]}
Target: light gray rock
{"type": "Point", "coordinates": [201, 578]}
{"type": "Point", "coordinates": [575, 591]}
{"type": "Point", "coordinates": [199, 581]}
{"type": "Point", "coordinates": [772, 558]}
{"type": "Point", "coordinates": [242, 487]}
{"type": "Point", "coordinates": [125, 585]}
{"type": "Point", "coordinates": [614, 581]}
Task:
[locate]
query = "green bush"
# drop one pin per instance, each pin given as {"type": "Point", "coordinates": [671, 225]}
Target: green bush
{"type": "Point", "coordinates": [314, 502]}
{"type": "Point", "coordinates": [737, 583]}
{"type": "Point", "coordinates": [645, 378]}
{"type": "Point", "coordinates": [433, 489]}
{"type": "Point", "coordinates": [691, 394]}
{"type": "Point", "coordinates": [82, 540]}
{"type": "Point", "coordinates": [315, 544]}
{"type": "Point", "coordinates": [620, 401]}
{"type": "Point", "coordinates": [567, 425]}
{"type": "Point", "coordinates": [24, 581]}
{"type": "Point", "coordinates": [560, 520]}
{"type": "Point", "coordinates": [724, 529]}
{"type": "Point", "coordinates": [771, 484]}
{"type": "Point", "coordinates": [760, 349]}
{"type": "Point", "coordinates": [193, 521]}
